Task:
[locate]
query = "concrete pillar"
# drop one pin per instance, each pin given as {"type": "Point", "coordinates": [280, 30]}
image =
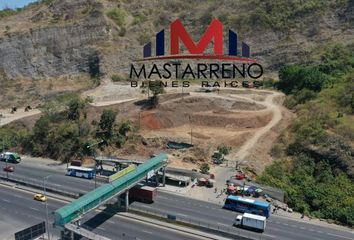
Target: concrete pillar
{"type": "Point", "coordinates": [119, 203]}
{"type": "Point", "coordinates": [127, 200]}
{"type": "Point", "coordinates": [163, 176]}
{"type": "Point", "coordinates": [157, 178]}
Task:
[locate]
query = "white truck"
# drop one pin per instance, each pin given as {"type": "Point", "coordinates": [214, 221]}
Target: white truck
{"type": "Point", "coordinates": [251, 221]}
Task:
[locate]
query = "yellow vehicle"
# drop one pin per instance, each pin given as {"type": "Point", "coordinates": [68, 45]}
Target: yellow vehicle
{"type": "Point", "coordinates": [40, 197]}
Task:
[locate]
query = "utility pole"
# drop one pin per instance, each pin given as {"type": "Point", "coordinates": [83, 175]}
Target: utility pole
{"type": "Point", "coordinates": [190, 124]}
{"type": "Point", "coordinates": [46, 205]}
{"type": "Point", "coordinates": [93, 156]}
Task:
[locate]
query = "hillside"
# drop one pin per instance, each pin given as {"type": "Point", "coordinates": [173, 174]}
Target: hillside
{"type": "Point", "coordinates": [315, 155]}
{"type": "Point", "coordinates": [60, 45]}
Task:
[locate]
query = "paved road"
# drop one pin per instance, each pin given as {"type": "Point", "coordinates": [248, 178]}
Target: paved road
{"type": "Point", "coordinates": [207, 213]}
{"type": "Point", "coordinates": [18, 210]}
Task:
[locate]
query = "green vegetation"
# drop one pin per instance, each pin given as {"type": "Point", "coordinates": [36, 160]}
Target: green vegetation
{"type": "Point", "coordinates": [280, 14]}
{"type": "Point", "coordinates": [7, 12]}
{"type": "Point", "coordinates": [118, 16]}
{"type": "Point", "coordinates": [63, 132]}
{"type": "Point", "coordinates": [204, 168]}
{"type": "Point", "coordinates": [224, 149]}
{"type": "Point", "coordinates": [116, 78]}
{"type": "Point", "coordinates": [316, 163]}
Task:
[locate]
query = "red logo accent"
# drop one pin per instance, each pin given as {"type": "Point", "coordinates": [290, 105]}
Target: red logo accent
{"type": "Point", "coordinates": [214, 31]}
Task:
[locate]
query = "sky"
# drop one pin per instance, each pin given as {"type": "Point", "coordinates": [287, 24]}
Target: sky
{"type": "Point", "coordinates": [14, 3]}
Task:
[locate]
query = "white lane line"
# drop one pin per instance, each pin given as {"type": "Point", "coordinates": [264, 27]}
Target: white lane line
{"type": "Point", "coordinates": [319, 231]}
{"type": "Point", "coordinates": [18, 196]}
{"type": "Point", "coordinates": [302, 228]}
{"type": "Point", "coordinates": [268, 235]}
{"type": "Point", "coordinates": [223, 224]}
{"type": "Point", "coordinates": [5, 200]}
{"type": "Point", "coordinates": [110, 221]}
{"type": "Point", "coordinates": [340, 236]}
{"type": "Point", "coordinates": [35, 209]}
{"type": "Point", "coordinates": [294, 226]}
{"type": "Point", "coordinates": [101, 228]}
{"type": "Point", "coordinates": [146, 232]}
{"type": "Point", "coordinates": [183, 215]}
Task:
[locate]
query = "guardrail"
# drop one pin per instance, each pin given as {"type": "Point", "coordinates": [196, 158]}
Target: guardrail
{"type": "Point", "coordinates": [226, 231]}
{"type": "Point", "coordinates": [38, 184]}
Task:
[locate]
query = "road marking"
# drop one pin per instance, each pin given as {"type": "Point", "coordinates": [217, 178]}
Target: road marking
{"type": "Point", "coordinates": [183, 215]}
{"type": "Point", "coordinates": [223, 224]}
{"type": "Point", "coordinates": [146, 232]}
{"type": "Point", "coordinates": [335, 235]}
{"type": "Point", "coordinates": [302, 228]}
{"type": "Point", "coordinates": [268, 235]}
{"type": "Point", "coordinates": [5, 200]}
{"type": "Point", "coordinates": [285, 224]}
{"type": "Point", "coordinates": [294, 226]}
{"type": "Point", "coordinates": [110, 221]}
{"type": "Point", "coordinates": [101, 228]}
{"type": "Point", "coordinates": [35, 209]}
{"type": "Point", "coordinates": [319, 231]}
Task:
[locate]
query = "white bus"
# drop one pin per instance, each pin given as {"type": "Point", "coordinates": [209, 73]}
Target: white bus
{"type": "Point", "coordinates": [82, 172]}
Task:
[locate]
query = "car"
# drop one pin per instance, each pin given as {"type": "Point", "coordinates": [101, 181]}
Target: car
{"type": "Point", "coordinates": [9, 168]}
{"type": "Point", "coordinates": [40, 197]}
{"type": "Point", "coordinates": [10, 157]}
{"type": "Point", "coordinates": [240, 176]}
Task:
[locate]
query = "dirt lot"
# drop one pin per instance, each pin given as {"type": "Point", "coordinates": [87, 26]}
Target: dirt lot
{"type": "Point", "coordinates": [246, 120]}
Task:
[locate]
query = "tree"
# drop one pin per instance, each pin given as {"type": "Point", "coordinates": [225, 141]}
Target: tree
{"type": "Point", "coordinates": [75, 107]}
{"type": "Point", "coordinates": [156, 87]}
{"type": "Point", "coordinates": [107, 120]}
{"type": "Point", "coordinates": [204, 168]}
{"type": "Point", "coordinates": [293, 78]}
{"type": "Point", "coordinates": [124, 128]}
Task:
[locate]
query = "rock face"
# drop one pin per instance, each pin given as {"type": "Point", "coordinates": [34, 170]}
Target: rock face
{"type": "Point", "coordinates": [67, 38]}
{"type": "Point", "coordinates": [56, 50]}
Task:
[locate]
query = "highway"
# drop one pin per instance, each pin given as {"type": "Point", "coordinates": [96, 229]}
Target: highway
{"type": "Point", "coordinates": [18, 210]}
{"type": "Point", "coordinates": [207, 213]}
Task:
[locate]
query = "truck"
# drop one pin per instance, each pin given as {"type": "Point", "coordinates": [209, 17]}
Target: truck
{"type": "Point", "coordinates": [251, 221]}
{"type": "Point", "coordinates": [141, 193]}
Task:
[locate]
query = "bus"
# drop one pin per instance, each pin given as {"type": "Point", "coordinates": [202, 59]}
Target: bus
{"type": "Point", "coordinates": [246, 205]}
{"type": "Point", "coordinates": [10, 157]}
{"type": "Point", "coordinates": [82, 172]}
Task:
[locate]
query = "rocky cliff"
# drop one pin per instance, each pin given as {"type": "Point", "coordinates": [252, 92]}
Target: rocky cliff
{"type": "Point", "coordinates": [86, 39]}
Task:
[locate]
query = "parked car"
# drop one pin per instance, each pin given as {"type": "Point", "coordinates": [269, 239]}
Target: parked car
{"type": "Point", "coordinates": [9, 168]}
{"type": "Point", "coordinates": [40, 197]}
{"type": "Point", "coordinates": [240, 176]}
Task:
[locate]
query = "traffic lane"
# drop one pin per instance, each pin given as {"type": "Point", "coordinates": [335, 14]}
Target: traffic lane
{"type": "Point", "coordinates": [123, 228]}
{"type": "Point", "coordinates": [205, 217]}
{"type": "Point", "coordinates": [18, 206]}
{"type": "Point", "coordinates": [200, 218]}
{"type": "Point", "coordinates": [56, 179]}
{"type": "Point", "coordinates": [311, 229]}
{"type": "Point", "coordinates": [201, 209]}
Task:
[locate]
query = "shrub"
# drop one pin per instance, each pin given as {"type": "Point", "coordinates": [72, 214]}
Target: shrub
{"type": "Point", "coordinates": [116, 78]}
{"type": "Point", "coordinates": [204, 168]}
{"type": "Point", "coordinates": [224, 149]}
{"type": "Point", "coordinates": [118, 16]}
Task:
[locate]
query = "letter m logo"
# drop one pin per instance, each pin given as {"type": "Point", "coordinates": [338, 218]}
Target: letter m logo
{"type": "Point", "coordinates": [214, 31]}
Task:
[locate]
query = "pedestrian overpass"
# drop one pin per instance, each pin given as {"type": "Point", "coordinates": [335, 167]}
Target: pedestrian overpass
{"type": "Point", "coordinates": [74, 210]}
